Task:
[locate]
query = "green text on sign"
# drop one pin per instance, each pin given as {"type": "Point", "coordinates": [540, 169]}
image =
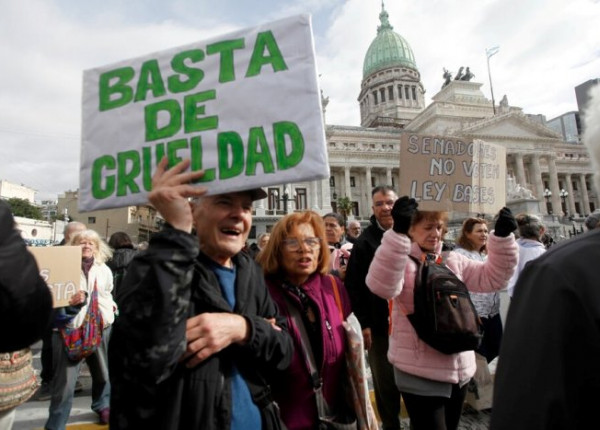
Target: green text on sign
{"type": "Point", "coordinates": [119, 175]}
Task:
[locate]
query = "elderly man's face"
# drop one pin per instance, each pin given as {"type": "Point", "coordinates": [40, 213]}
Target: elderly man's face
{"type": "Point", "coordinates": [354, 229]}
{"type": "Point", "coordinates": [222, 223]}
{"type": "Point", "coordinates": [72, 230]}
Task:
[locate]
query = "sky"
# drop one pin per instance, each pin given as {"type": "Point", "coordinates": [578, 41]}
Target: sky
{"type": "Point", "coordinates": [547, 47]}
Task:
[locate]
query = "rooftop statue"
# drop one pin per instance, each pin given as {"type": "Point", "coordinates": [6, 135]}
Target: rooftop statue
{"type": "Point", "coordinates": [459, 75]}
{"type": "Point", "coordinates": [467, 76]}
{"type": "Point", "coordinates": [504, 104]}
{"type": "Point", "coordinates": [447, 77]}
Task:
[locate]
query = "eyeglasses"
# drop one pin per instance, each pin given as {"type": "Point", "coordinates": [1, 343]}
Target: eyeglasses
{"type": "Point", "coordinates": [293, 244]}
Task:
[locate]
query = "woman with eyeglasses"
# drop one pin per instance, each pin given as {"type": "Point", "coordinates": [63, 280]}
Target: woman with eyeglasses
{"type": "Point", "coordinates": [296, 265]}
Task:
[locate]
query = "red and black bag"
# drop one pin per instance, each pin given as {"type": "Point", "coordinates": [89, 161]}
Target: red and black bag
{"type": "Point", "coordinates": [444, 315]}
{"type": "Point", "coordinates": [82, 341]}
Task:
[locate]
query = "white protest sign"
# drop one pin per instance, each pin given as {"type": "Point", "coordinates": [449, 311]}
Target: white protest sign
{"type": "Point", "coordinates": [60, 267]}
{"type": "Point", "coordinates": [245, 107]}
{"type": "Point", "coordinates": [451, 174]}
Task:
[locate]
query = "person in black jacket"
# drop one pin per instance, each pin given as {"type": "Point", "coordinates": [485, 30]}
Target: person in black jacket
{"type": "Point", "coordinates": [371, 310]}
{"type": "Point", "coordinates": [25, 300]}
{"type": "Point", "coordinates": [547, 375]}
{"type": "Point", "coordinates": [198, 335]}
{"type": "Point", "coordinates": [123, 253]}
{"type": "Point", "coordinates": [25, 314]}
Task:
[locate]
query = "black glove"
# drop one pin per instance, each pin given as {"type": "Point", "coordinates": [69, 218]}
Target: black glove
{"type": "Point", "coordinates": [402, 213]}
{"type": "Point", "coordinates": [506, 223]}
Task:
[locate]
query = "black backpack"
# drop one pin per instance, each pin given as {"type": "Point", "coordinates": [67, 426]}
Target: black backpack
{"type": "Point", "coordinates": [444, 315]}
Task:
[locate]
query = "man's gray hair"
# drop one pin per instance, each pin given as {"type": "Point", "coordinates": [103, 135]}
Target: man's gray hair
{"type": "Point", "coordinates": [591, 222]}
{"type": "Point", "coordinates": [530, 226]}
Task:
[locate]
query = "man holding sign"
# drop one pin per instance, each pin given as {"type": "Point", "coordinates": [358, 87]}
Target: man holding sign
{"type": "Point", "coordinates": [198, 332]}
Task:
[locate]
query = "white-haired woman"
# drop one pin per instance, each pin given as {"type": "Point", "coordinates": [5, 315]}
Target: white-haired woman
{"type": "Point", "coordinates": [95, 275]}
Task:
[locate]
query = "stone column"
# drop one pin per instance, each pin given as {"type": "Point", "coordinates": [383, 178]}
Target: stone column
{"type": "Point", "coordinates": [536, 175]}
{"type": "Point", "coordinates": [553, 179]}
{"type": "Point", "coordinates": [314, 196]}
{"type": "Point", "coordinates": [584, 193]}
{"type": "Point", "coordinates": [259, 206]}
{"type": "Point", "coordinates": [364, 195]}
{"type": "Point", "coordinates": [520, 170]}
{"type": "Point", "coordinates": [325, 196]}
{"type": "Point", "coordinates": [571, 197]}
{"type": "Point", "coordinates": [388, 176]}
{"type": "Point", "coordinates": [347, 188]}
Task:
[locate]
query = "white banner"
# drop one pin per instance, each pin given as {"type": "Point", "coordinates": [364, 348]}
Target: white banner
{"type": "Point", "coordinates": [245, 107]}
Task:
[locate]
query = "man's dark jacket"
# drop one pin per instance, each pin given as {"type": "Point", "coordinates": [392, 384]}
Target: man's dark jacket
{"type": "Point", "coordinates": [548, 374]}
{"type": "Point", "coordinates": [118, 265]}
{"type": "Point", "coordinates": [164, 286]}
{"type": "Point", "coordinates": [370, 309]}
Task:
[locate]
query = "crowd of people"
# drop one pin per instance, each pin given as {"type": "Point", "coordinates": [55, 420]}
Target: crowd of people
{"type": "Point", "coordinates": [210, 330]}
{"type": "Point", "coordinates": [199, 330]}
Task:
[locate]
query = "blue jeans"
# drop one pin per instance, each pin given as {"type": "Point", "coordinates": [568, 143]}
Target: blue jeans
{"type": "Point", "coordinates": [65, 376]}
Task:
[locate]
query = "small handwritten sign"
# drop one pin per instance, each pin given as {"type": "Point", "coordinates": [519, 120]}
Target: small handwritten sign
{"type": "Point", "coordinates": [60, 267]}
{"type": "Point", "coordinates": [451, 174]}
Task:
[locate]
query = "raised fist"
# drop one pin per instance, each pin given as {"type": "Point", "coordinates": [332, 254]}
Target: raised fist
{"type": "Point", "coordinates": [402, 213]}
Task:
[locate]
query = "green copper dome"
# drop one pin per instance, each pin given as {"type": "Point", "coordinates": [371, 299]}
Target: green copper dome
{"type": "Point", "coordinates": [389, 49]}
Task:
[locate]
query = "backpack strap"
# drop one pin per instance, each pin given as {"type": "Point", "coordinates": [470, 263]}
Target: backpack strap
{"type": "Point", "coordinates": [336, 293]}
{"type": "Point", "coordinates": [419, 263]}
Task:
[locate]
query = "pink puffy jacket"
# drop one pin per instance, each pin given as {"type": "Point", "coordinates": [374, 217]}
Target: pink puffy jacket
{"type": "Point", "coordinates": [392, 276]}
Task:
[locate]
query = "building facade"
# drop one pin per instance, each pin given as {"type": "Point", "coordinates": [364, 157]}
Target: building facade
{"type": "Point", "coordinates": [9, 190]}
{"type": "Point", "coordinates": [139, 222]}
{"type": "Point", "coordinates": [555, 173]}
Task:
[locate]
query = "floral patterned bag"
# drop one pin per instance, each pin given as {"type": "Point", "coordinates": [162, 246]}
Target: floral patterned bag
{"type": "Point", "coordinates": [82, 341]}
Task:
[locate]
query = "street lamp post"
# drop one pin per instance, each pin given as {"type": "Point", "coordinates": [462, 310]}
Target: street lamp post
{"type": "Point", "coordinates": [563, 195]}
{"type": "Point", "coordinates": [489, 53]}
{"type": "Point", "coordinates": [547, 195]}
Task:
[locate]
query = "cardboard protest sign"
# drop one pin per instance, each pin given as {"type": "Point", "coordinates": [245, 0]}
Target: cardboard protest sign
{"type": "Point", "coordinates": [60, 267]}
{"type": "Point", "coordinates": [245, 107]}
{"type": "Point", "coordinates": [450, 174]}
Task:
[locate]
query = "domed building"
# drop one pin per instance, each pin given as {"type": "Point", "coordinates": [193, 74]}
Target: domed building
{"type": "Point", "coordinates": [391, 90]}
{"type": "Point", "coordinates": [547, 175]}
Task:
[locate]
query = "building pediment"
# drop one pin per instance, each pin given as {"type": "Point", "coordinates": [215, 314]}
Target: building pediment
{"type": "Point", "coordinates": [512, 125]}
